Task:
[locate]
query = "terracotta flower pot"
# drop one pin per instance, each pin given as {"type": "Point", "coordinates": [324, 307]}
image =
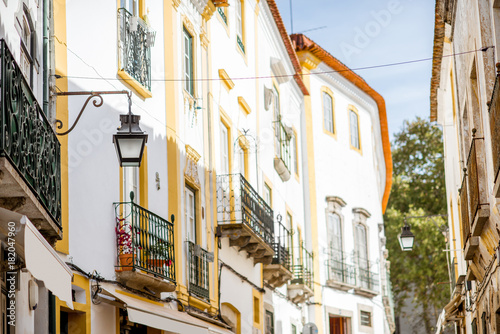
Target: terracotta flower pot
{"type": "Point", "coordinates": [126, 262]}
{"type": "Point", "coordinates": [159, 262]}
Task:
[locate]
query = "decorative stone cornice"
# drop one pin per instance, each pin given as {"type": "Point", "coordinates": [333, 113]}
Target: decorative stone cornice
{"type": "Point", "coordinates": [362, 212]}
{"type": "Point", "coordinates": [226, 79]}
{"type": "Point", "coordinates": [176, 3]}
{"type": "Point", "coordinates": [336, 200]}
{"type": "Point", "coordinates": [208, 11]}
{"type": "Point", "coordinates": [191, 169]}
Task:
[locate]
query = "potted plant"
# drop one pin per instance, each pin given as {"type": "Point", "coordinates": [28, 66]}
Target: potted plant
{"type": "Point", "coordinates": [125, 247]}
{"type": "Point", "coordinates": [157, 254]}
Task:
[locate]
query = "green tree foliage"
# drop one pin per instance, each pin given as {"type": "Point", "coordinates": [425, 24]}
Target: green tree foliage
{"type": "Point", "coordinates": [420, 275]}
{"type": "Point", "coordinates": [417, 153]}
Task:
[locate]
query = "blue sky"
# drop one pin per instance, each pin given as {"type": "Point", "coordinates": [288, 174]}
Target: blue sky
{"type": "Point", "coordinates": [364, 33]}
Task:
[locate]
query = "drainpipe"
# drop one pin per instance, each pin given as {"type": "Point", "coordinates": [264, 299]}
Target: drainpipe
{"type": "Point", "coordinates": [45, 57]}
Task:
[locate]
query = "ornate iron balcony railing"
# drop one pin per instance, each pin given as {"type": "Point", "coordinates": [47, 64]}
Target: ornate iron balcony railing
{"type": "Point", "coordinates": [339, 270]}
{"type": "Point", "coordinates": [302, 267]}
{"type": "Point", "coordinates": [367, 278]}
{"type": "Point", "coordinates": [281, 246]}
{"type": "Point", "coordinates": [282, 143]}
{"type": "Point", "coordinates": [27, 139]}
{"type": "Point", "coordinates": [145, 241]}
{"type": "Point", "coordinates": [134, 43]}
{"type": "Point", "coordinates": [239, 202]}
{"type": "Point", "coordinates": [198, 271]}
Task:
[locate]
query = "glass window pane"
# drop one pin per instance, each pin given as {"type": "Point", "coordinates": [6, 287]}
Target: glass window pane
{"type": "Point", "coordinates": [328, 114]}
{"type": "Point", "coordinates": [354, 129]}
{"type": "Point", "coordinates": [225, 148]}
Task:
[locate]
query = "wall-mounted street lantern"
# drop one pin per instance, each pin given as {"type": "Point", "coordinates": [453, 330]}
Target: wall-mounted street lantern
{"type": "Point", "coordinates": [406, 237]}
{"type": "Point", "coordinates": [129, 140]}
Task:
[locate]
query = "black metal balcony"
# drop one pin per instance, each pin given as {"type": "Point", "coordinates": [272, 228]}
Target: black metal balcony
{"type": "Point", "coordinates": [301, 286]}
{"type": "Point", "coordinates": [198, 271]}
{"type": "Point", "coordinates": [145, 248]}
{"type": "Point", "coordinates": [135, 41]}
{"type": "Point", "coordinates": [341, 273]}
{"type": "Point", "coordinates": [369, 282]}
{"type": "Point", "coordinates": [29, 151]}
{"type": "Point", "coordinates": [279, 271]}
{"type": "Point", "coordinates": [245, 217]}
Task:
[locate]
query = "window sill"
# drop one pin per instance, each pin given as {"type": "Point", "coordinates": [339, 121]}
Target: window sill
{"type": "Point", "coordinates": [135, 85]}
{"type": "Point", "coordinates": [356, 149]}
{"type": "Point", "coordinates": [333, 135]}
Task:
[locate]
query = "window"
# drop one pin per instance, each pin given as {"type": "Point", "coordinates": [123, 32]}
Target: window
{"type": "Point", "coordinates": [294, 329]}
{"type": "Point", "coordinates": [188, 62]}
{"type": "Point", "coordinates": [354, 123]}
{"type": "Point", "coordinates": [132, 6]}
{"type": "Point", "coordinates": [240, 16]}
{"type": "Point", "coordinates": [277, 121]}
{"type": "Point", "coordinates": [328, 112]}
{"type": "Point", "coordinates": [190, 211]}
{"type": "Point", "coordinates": [362, 246]}
{"type": "Point", "coordinates": [269, 322]}
{"type": "Point", "coordinates": [334, 230]}
{"type": "Point", "coordinates": [256, 310]}
{"type": "Point", "coordinates": [366, 318]}
{"type": "Point", "coordinates": [223, 14]}
{"type": "Point", "coordinates": [131, 184]}
{"type": "Point", "coordinates": [295, 154]}
{"type": "Point", "coordinates": [268, 194]}
{"type": "Point", "coordinates": [27, 46]}
{"type": "Point", "coordinates": [224, 138]}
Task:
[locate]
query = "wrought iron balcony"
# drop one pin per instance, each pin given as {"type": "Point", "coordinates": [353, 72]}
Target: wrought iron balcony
{"type": "Point", "coordinates": [245, 217]}
{"type": "Point", "coordinates": [30, 174]}
{"type": "Point", "coordinates": [279, 272]}
{"type": "Point", "coordinates": [479, 210]}
{"type": "Point", "coordinates": [283, 159]}
{"type": "Point", "coordinates": [341, 274]}
{"type": "Point", "coordinates": [135, 41]}
{"type": "Point", "coordinates": [301, 286]}
{"type": "Point", "coordinates": [198, 271]}
{"type": "Point", "coordinates": [368, 280]}
{"type": "Point", "coordinates": [145, 248]}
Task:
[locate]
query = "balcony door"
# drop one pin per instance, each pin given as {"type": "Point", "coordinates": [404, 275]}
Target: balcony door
{"type": "Point", "coordinates": [132, 6]}
{"type": "Point", "coordinates": [131, 184]}
{"type": "Point", "coordinates": [362, 256]}
{"type": "Point", "coordinates": [334, 236]}
{"type": "Point", "coordinates": [190, 212]}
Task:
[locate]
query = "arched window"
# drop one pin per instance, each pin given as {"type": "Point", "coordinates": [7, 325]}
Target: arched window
{"type": "Point", "coordinates": [354, 129]}
{"type": "Point", "coordinates": [328, 113]}
{"type": "Point", "coordinates": [334, 230]}
{"type": "Point", "coordinates": [231, 316]}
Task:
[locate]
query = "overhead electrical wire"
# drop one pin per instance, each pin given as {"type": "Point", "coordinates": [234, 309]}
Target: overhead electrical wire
{"type": "Point", "coordinates": [483, 49]}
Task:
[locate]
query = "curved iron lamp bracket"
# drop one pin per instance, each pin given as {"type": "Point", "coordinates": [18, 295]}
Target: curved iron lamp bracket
{"type": "Point", "coordinates": [97, 103]}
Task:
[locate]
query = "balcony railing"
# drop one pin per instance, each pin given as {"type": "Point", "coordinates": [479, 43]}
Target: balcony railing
{"type": "Point", "coordinates": [281, 246]}
{"type": "Point", "coordinates": [198, 271]}
{"type": "Point", "coordinates": [339, 270]}
{"type": "Point", "coordinates": [282, 143]}
{"type": "Point", "coordinates": [27, 139]}
{"type": "Point", "coordinates": [302, 267]}
{"type": "Point", "coordinates": [135, 41]}
{"type": "Point", "coordinates": [494, 112]}
{"type": "Point", "coordinates": [145, 241]}
{"type": "Point", "coordinates": [464, 208]}
{"type": "Point", "coordinates": [367, 278]}
{"type": "Point", "coordinates": [238, 202]}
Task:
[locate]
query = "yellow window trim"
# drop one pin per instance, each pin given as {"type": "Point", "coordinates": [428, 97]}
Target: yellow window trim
{"type": "Point", "coordinates": [269, 184]}
{"type": "Point", "coordinates": [135, 85]}
{"type": "Point", "coordinates": [326, 90]}
{"type": "Point", "coordinates": [245, 146]}
{"type": "Point", "coordinates": [221, 20]}
{"type": "Point", "coordinates": [257, 296]}
{"type": "Point", "coordinates": [228, 83]}
{"type": "Point", "coordinates": [244, 105]}
{"type": "Point", "coordinates": [355, 110]}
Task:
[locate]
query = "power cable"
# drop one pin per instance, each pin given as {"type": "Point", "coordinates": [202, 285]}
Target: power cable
{"type": "Point", "coordinates": [483, 49]}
